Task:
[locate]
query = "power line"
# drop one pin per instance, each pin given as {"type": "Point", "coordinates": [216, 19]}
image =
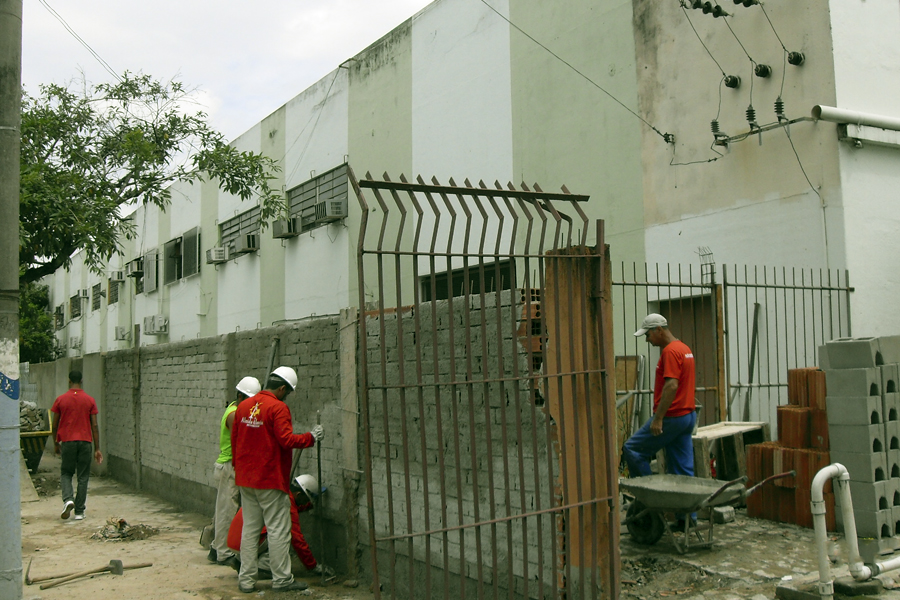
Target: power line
{"type": "Point", "coordinates": [312, 131]}
{"type": "Point", "coordinates": [667, 137]}
{"type": "Point", "coordinates": [691, 23]}
{"type": "Point", "coordinates": [80, 40]}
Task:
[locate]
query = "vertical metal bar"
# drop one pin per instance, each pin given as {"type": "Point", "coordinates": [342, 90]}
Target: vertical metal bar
{"type": "Point", "coordinates": [847, 283]}
{"type": "Point", "coordinates": [384, 393]}
{"type": "Point", "coordinates": [727, 339]}
{"type": "Point", "coordinates": [454, 390]}
{"type": "Point", "coordinates": [420, 397]}
{"type": "Point", "coordinates": [438, 407]}
{"type": "Point", "coordinates": [364, 378]}
{"type": "Point", "coordinates": [782, 369]}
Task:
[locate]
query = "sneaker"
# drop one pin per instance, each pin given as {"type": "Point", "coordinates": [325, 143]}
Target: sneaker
{"type": "Point", "coordinates": [79, 516]}
{"type": "Point", "coordinates": [67, 509]}
{"type": "Point", "coordinates": [294, 586]}
{"type": "Point", "coordinates": [211, 557]}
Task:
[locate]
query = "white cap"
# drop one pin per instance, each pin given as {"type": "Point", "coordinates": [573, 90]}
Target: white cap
{"type": "Point", "coordinates": [248, 386]}
{"type": "Point", "coordinates": [288, 374]}
{"type": "Point", "coordinates": [651, 321]}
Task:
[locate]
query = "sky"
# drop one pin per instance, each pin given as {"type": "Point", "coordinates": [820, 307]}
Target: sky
{"type": "Point", "coordinates": [245, 58]}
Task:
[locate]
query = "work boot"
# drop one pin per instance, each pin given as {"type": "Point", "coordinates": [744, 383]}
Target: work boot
{"type": "Point", "coordinates": [211, 557]}
{"type": "Point", "coordinates": [294, 586]}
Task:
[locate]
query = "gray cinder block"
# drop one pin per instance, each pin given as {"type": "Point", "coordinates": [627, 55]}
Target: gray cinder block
{"type": "Point", "coordinates": [856, 410]}
{"type": "Point", "coordinates": [889, 345]}
{"type": "Point", "coordinates": [866, 467]}
{"type": "Point", "coordinates": [878, 524]}
{"type": "Point", "coordinates": [890, 376]}
{"type": "Point", "coordinates": [853, 382]}
{"type": "Point", "coordinates": [853, 353]}
{"type": "Point", "coordinates": [892, 436]}
{"type": "Point", "coordinates": [861, 439]}
{"type": "Point", "coordinates": [870, 496]}
{"type": "Point", "coordinates": [890, 407]}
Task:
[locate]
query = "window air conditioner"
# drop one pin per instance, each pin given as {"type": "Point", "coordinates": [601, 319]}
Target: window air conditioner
{"type": "Point", "coordinates": [216, 255]}
{"type": "Point", "coordinates": [117, 276]}
{"type": "Point", "coordinates": [247, 243]}
{"type": "Point", "coordinates": [286, 228]}
{"type": "Point", "coordinates": [135, 268]}
{"type": "Point", "coordinates": [122, 333]}
{"type": "Point", "coordinates": [85, 294]}
{"type": "Point", "coordinates": [331, 210]}
{"type": "Point", "coordinates": [156, 325]}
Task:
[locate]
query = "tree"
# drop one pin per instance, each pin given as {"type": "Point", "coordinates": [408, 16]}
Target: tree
{"type": "Point", "coordinates": [36, 340]}
{"type": "Point", "coordinates": [86, 156]}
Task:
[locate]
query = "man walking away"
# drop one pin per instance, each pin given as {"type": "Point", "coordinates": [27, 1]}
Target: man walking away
{"type": "Point", "coordinates": [226, 502]}
{"type": "Point", "coordinates": [674, 413]}
{"type": "Point", "coordinates": [74, 427]}
{"type": "Point", "coordinates": [262, 439]}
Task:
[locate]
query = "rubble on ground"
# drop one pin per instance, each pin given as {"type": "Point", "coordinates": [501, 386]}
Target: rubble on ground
{"type": "Point", "coordinates": [118, 530]}
{"type": "Point", "coordinates": [31, 418]}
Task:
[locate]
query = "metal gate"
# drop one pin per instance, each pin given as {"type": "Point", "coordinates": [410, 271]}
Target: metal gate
{"type": "Point", "coordinates": [487, 407]}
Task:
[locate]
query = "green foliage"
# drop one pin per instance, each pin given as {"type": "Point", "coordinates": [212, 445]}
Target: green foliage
{"type": "Point", "coordinates": [36, 340]}
{"type": "Point", "coordinates": [85, 156]}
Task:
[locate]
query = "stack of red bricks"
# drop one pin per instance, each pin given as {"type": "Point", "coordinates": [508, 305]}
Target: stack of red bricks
{"type": "Point", "coordinates": [802, 446]}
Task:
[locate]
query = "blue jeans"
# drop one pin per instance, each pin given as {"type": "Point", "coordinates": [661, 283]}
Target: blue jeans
{"type": "Point", "coordinates": [675, 438]}
{"type": "Point", "coordinates": [76, 462]}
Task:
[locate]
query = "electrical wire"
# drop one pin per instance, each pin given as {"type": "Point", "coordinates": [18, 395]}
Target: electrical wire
{"type": "Point", "coordinates": [80, 40]}
{"type": "Point", "coordinates": [665, 136]}
{"type": "Point", "coordinates": [772, 26]}
{"type": "Point", "coordinates": [312, 131]}
{"type": "Point", "coordinates": [800, 163]}
{"type": "Point", "coordinates": [691, 23]}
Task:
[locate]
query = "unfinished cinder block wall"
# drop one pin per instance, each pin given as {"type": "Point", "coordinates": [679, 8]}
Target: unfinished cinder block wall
{"type": "Point", "coordinates": [862, 377]}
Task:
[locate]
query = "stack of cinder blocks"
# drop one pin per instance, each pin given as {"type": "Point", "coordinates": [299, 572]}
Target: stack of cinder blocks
{"type": "Point", "coordinates": [802, 446]}
{"type": "Point", "coordinates": [862, 376]}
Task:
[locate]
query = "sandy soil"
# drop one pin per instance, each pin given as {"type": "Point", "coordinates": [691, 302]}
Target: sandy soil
{"type": "Point", "coordinates": [180, 569]}
{"type": "Point", "coordinates": [751, 556]}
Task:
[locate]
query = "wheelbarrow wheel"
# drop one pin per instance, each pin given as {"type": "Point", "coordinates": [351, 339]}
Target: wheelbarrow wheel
{"type": "Point", "coordinates": [646, 529]}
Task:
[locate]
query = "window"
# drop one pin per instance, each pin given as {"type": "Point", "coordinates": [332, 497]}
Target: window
{"type": "Point", "coordinates": [59, 316]}
{"type": "Point", "coordinates": [95, 297]}
{"type": "Point", "coordinates": [190, 252]}
{"type": "Point", "coordinates": [139, 284]}
{"type": "Point", "coordinates": [320, 200]}
{"type": "Point", "coordinates": [173, 265]}
{"type": "Point", "coordinates": [112, 293]}
{"type": "Point", "coordinates": [151, 259]}
{"type": "Point", "coordinates": [456, 280]}
{"type": "Point", "coordinates": [234, 231]}
{"type": "Point", "coordinates": [75, 306]}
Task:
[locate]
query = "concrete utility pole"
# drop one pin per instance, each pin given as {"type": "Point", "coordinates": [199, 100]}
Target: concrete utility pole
{"type": "Point", "coordinates": [10, 97]}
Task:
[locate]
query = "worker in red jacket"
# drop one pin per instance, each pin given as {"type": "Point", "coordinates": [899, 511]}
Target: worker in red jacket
{"type": "Point", "coordinates": [262, 439]}
{"type": "Point", "coordinates": [303, 491]}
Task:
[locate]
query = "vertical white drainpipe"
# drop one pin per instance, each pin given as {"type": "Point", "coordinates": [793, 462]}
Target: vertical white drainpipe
{"type": "Point", "coordinates": [858, 570]}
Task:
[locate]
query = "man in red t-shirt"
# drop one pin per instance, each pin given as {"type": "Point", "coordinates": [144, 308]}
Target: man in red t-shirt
{"type": "Point", "coordinates": [674, 408]}
{"type": "Point", "coordinates": [262, 439]}
{"type": "Point", "coordinates": [73, 427]}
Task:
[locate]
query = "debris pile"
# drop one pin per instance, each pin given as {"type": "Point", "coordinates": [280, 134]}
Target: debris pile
{"type": "Point", "coordinates": [118, 530]}
{"type": "Point", "coordinates": [31, 418]}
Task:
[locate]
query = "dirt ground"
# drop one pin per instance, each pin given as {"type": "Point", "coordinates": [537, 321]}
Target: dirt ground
{"type": "Point", "coordinates": [750, 558]}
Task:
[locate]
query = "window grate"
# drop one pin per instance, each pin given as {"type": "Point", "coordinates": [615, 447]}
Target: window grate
{"type": "Point", "coordinates": [231, 230]}
{"type": "Point", "coordinates": [95, 297]}
{"type": "Point", "coordinates": [75, 306]}
{"type": "Point", "coordinates": [112, 292]}
{"type": "Point", "coordinates": [307, 200]}
{"type": "Point", "coordinates": [151, 269]}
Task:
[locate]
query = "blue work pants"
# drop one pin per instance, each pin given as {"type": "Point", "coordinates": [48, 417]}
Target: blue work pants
{"type": "Point", "coordinates": [675, 438]}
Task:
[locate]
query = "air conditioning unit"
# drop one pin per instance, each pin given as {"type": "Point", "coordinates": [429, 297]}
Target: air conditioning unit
{"type": "Point", "coordinates": [286, 228]}
{"type": "Point", "coordinates": [135, 268]}
{"type": "Point", "coordinates": [85, 294]}
{"type": "Point", "coordinates": [156, 325]}
{"type": "Point", "coordinates": [74, 343]}
{"type": "Point", "coordinates": [117, 276]}
{"type": "Point", "coordinates": [246, 243]}
{"type": "Point", "coordinates": [216, 255]}
{"type": "Point", "coordinates": [331, 210]}
{"type": "Point", "coordinates": [122, 333]}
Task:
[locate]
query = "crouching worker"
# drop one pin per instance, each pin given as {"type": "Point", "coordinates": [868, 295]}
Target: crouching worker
{"type": "Point", "coordinates": [304, 490]}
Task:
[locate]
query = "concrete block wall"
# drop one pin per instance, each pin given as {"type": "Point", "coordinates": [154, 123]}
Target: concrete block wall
{"type": "Point", "coordinates": [863, 424]}
{"type": "Point", "coordinates": [455, 424]}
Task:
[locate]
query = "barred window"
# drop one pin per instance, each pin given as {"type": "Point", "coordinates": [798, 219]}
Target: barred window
{"type": "Point", "coordinates": [75, 306]}
{"type": "Point", "coordinates": [112, 292]}
{"type": "Point", "coordinates": [95, 297]}
{"type": "Point", "coordinates": [59, 316]}
{"type": "Point", "coordinates": [231, 231]}
{"type": "Point", "coordinates": [320, 200]}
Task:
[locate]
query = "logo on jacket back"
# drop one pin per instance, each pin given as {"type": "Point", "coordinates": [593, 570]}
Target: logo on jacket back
{"type": "Point", "coordinates": [252, 420]}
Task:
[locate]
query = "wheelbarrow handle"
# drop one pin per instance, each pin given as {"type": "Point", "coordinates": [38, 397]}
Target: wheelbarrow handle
{"type": "Point", "coordinates": [719, 491]}
{"type": "Point", "coordinates": [768, 479]}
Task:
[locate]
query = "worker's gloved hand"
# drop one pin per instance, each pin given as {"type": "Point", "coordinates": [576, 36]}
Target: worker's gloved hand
{"type": "Point", "coordinates": [318, 432]}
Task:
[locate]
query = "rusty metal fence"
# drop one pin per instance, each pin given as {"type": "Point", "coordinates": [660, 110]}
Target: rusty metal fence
{"type": "Point", "coordinates": [747, 327]}
{"type": "Point", "coordinates": [486, 396]}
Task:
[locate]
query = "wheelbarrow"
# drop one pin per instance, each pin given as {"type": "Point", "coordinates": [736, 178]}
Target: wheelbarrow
{"type": "Point", "coordinates": [656, 495]}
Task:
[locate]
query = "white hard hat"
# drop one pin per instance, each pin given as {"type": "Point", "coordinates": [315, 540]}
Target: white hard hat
{"type": "Point", "coordinates": [249, 386]}
{"type": "Point", "coordinates": [308, 484]}
{"type": "Point", "coordinates": [288, 374]}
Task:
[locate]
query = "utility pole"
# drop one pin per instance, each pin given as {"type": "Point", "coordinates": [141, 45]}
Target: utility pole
{"type": "Point", "coordinates": [10, 98]}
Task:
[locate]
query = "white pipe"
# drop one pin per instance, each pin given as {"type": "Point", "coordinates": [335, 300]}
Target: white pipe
{"type": "Point", "coordinates": [839, 115]}
{"type": "Point", "coordinates": [858, 570]}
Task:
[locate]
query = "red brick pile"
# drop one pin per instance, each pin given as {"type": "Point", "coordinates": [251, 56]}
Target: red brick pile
{"type": "Point", "coordinates": [802, 446]}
